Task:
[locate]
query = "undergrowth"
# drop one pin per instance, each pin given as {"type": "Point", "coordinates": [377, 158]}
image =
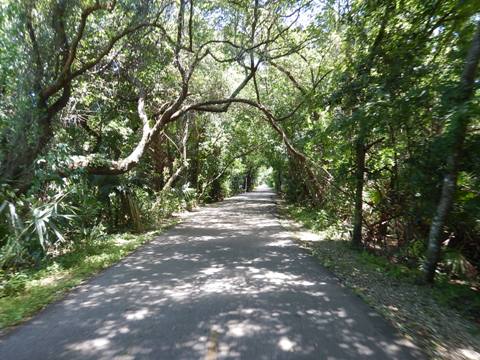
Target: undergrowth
{"type": "Point", "coordinates": [463, 296]}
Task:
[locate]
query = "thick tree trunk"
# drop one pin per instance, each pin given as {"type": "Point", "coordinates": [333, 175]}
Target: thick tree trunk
{"type": "Point", "coordinates": [456, 135]}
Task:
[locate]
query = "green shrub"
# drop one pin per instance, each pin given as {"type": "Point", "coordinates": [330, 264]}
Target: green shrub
{"type": "Point", "coordinates": [11, 284]}
{"type": "Point", "coordinates": [40, 230]}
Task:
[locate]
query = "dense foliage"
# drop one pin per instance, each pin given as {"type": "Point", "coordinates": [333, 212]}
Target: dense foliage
{"type": "Point", "coordinates": [115, 114]}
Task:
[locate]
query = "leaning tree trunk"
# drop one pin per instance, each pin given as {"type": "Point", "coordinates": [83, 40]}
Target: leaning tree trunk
{"type": "Point", "coordinates": [456, 136]}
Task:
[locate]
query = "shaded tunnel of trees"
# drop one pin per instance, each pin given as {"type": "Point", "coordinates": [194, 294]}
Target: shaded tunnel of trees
{"type": "Point", "coordinates": [114, 114]}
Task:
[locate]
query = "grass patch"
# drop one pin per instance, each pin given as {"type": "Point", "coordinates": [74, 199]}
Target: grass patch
{"type": "Point", "coordinates": [315, 220]}
{"type": "Point", "coordinates": [25, 293]}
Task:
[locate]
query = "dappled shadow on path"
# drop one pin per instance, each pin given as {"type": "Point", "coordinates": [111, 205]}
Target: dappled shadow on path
{"type": "Point", "coordinates": [228, 283]}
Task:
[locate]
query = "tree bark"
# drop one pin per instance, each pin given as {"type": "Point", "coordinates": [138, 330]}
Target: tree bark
{"type": "Point", "coordinates": [278, 183]}
{"type": "Point", "coordinates": [360, 149]}
{"type": "Point", "coordinates": [456, 136]}
{"type": "Point", "coordinates": [183, 158]}
{"type": "Point", "coordinates": [17, 168]}
{"type": "Point", "coordinates": [359, 184]}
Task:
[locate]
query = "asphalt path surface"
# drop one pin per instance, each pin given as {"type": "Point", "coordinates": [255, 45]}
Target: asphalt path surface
{"type": "Point", "coordinates": [227, 283]}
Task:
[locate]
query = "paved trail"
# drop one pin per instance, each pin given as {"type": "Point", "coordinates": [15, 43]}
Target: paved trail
{"type": "Point", "coordinates": [228, 283]}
